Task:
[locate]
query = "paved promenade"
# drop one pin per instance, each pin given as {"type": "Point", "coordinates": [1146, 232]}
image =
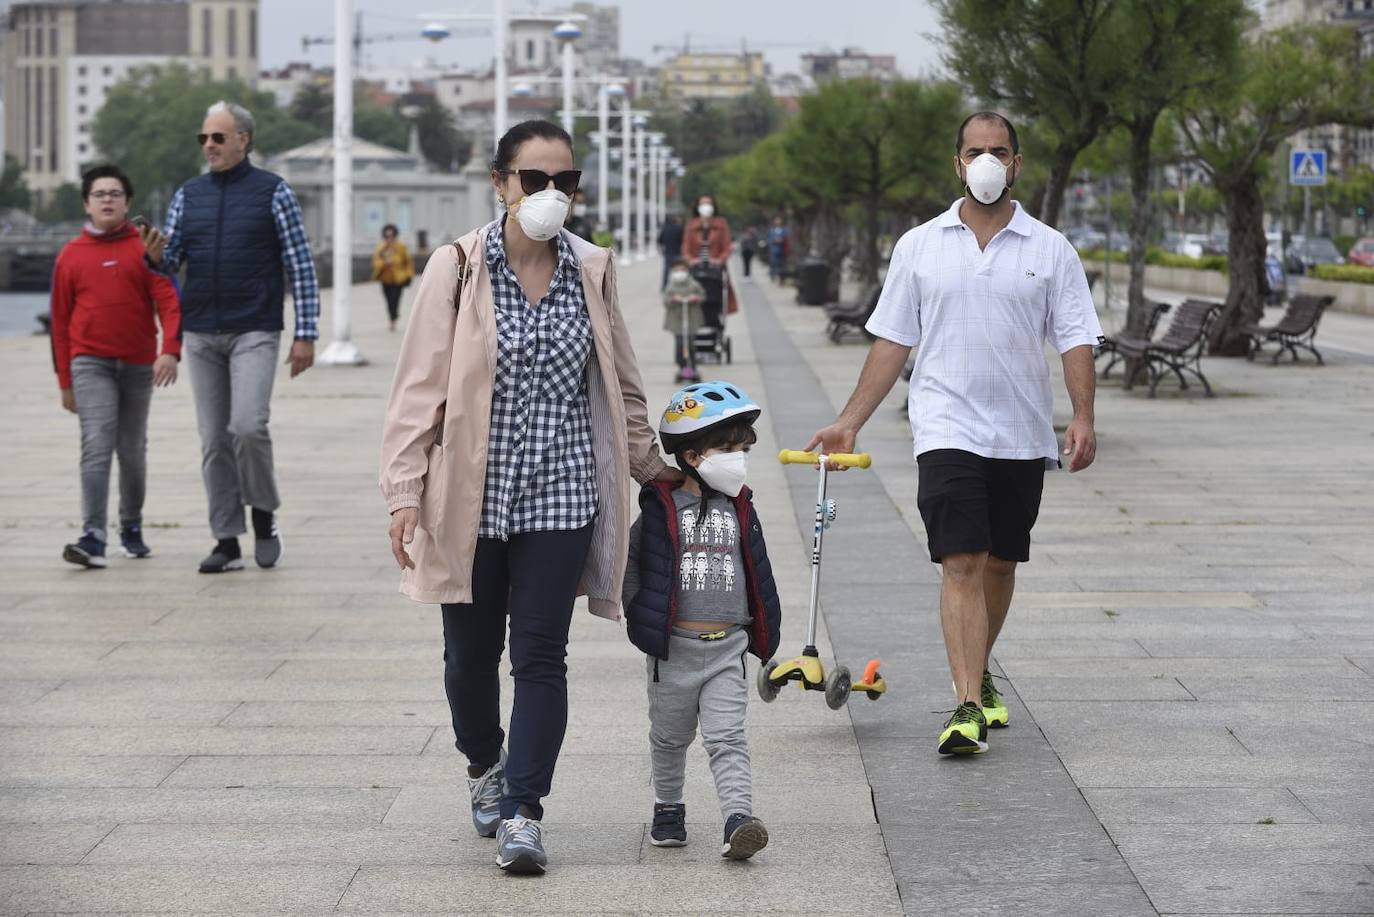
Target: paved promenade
{"type": "Point", "coordinates": [1191, 665]}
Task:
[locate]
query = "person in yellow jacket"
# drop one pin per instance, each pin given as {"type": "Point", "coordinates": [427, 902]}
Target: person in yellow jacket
{"type": "Point", "coordinates": [393, 267]}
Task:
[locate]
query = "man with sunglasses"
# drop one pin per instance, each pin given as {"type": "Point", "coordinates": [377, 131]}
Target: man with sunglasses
{"type": "Point", "coordinates": [237, 229]}
{"type": "Point", "coordinates": [978, 292]}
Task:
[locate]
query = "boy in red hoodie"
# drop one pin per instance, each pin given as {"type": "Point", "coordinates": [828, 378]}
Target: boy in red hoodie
{"type": "Point", "coordinates": [105, 351]}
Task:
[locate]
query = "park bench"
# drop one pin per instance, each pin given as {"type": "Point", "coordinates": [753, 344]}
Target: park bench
{"type": "Point", "coordinates": [1297, 328]}
{"type": "Point", "coordinates": [1108, 345]}
{"type": "Point", "coordinates": [1179, 350]}
{"type": "Point", "coordinates": [847, 318]}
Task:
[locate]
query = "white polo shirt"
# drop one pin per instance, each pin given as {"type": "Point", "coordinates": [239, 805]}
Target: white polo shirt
{"type": "Point", "coordinates": [979, 321]}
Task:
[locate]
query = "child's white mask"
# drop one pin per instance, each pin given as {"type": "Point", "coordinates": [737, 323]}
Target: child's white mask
{"type": "Point", "coordinates": [725, 472]}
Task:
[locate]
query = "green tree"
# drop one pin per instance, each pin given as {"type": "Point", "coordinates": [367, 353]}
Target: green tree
{"type": "Point", "coordinates": [1176, 48]}
{"type": "Point", "coordinates": [14, 189]}
{"type": "Point", "coordinates": [149, 122]}
{"type": "Point", "coordinates": [64, 206]}
{"type": "Point", "coordinates": [440, 140]}
{"type": "Point", "coordinates": [1285, 81]}
{"type": "Point", "coordinates": [1057, 62]}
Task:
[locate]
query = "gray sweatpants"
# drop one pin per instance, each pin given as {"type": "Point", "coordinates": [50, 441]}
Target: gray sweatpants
{"type": "Point", "coordinates": [112, 405]}
{"type": "Point", "coordinates": [705, 680]}
{"type": "Point", "coordinates": [231, 377]}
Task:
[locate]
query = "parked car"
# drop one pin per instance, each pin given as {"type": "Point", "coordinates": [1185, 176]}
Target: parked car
{"type": "Point", "coordinates": [1304, 253]}
{"type": "Point", "coordinates": [1192, 244]}
{"type": "Point", "coordinates": [1362, 253]}
{"type": "Point", "coordinates": [1085, 238]}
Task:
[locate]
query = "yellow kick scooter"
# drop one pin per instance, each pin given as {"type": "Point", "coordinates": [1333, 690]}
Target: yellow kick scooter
{"type": "Point", "coordinates": [807, 669]}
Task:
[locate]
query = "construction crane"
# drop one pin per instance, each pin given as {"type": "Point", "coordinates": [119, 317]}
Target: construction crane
{"type": "Point", "coordinates": [744, 46]}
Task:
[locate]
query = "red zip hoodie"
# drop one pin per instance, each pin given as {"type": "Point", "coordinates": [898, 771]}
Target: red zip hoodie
{"type": "Point", "coordinates": [103, 297]}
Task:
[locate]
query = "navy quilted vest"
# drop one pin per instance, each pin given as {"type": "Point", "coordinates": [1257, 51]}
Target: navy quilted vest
{"type": "Point", "coordinates": [234, 270]}
{"type": "Point", "coordinates": [650, 615]}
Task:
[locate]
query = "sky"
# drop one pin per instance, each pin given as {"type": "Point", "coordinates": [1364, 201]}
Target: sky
{"type": "Point", "coordinates": [782, 29]}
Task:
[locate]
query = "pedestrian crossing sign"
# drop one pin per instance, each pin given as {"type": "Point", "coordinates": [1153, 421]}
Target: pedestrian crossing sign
{"type": "Point", "coordinates": [1307, 167]}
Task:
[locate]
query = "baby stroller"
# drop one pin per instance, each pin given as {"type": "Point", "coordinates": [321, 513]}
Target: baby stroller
{"type": "Point", "coordinates": [710, 344]}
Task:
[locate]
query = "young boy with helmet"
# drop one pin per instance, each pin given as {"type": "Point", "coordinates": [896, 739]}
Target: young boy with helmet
{"type": "Point", "coordinates": [699, 596]}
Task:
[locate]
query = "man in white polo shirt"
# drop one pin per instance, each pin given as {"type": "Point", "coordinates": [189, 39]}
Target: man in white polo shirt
{"type": "Point", "coordinates": [978, 291]}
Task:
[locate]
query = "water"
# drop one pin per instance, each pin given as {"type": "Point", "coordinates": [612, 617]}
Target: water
{"type": "Point", "coordinates": [17, 311]}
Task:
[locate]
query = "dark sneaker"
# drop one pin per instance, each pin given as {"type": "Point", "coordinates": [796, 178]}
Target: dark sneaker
{"type": "Point", "coordinates": [520, 846]}
{"type": "Point", "coordinates": [670, 825]}
{"type": "Point", "coordinates": [966, 731]}
{"type": "Point", "coordinates": [486, 792]}
{"type": "Point", "coordinates": [131, 540]}
{"type": "Point", "coordinates": [994, 708]}
{"type": "Point", "coordinates": [745, 836]}
{"type": "Point", "coordinates": [89, 551]}
{"type": "Point", "coordinates": [267, 548]}
{"type": "Point", "coordinates": [223, 558]}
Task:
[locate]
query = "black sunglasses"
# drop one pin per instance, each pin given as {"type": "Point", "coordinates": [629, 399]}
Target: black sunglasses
{"type": "Point", "coordinates": [216, 136]}
{"type": "Point", "coordinates": [532, 181]}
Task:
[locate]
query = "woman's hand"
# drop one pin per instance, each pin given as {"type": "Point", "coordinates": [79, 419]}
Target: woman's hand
{"type": "Point", "coordinates": [403, 523]}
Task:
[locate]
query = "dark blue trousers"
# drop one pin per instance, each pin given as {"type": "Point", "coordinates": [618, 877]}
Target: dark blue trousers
{"type": "Point", "coordinates": [532, 581]}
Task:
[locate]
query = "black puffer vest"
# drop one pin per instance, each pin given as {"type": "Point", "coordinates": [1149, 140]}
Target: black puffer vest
{"type": "Point", "coordinates": [234, 270]}
{"type": "Point", "coordinates": [653, 609]}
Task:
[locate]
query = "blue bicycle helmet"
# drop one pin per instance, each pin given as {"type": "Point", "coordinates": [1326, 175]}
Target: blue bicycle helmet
{"type": "Point", "coordinates": [701, 406]}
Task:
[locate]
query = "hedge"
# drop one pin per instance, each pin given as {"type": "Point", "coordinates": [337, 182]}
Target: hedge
{"type": "Point", "coordinates": [1346, 273]}
{"type": "Point", "coordinates": [1161, 258]}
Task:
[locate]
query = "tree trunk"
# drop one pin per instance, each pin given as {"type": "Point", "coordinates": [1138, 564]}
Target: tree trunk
{"type": "Point", "coordinates": [1061, 170]}
{"type": "Point", "coordinates": [1245, 253]}
{"type": "Point", "coordinates": [1137, 314]}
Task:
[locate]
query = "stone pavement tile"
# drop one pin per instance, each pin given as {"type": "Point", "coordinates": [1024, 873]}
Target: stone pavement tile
{"type": "Point", "coordinates": [1035, 688]}
{"type": "Point", "coordinates": [177, 889]}
{"type": "Point", "coordinates": [455, 844]}
{"type": "Point", "coordinates": [178, 740]}
{"type": "Point", "coordinates": [995, 900]}
{"type": "Point", "coordinates": [1348, 801]}
{"type": "Point", "coordinates": [212, 806]}
{"type": "Point", "coordinates": [1265, 715]}
{"type": "Point", "coordinates": [1215, 805]}
{"type": "Point", "coordinates": [1186, 669]}
{"type": "Point", "coordinates": [49, 845]}
{"type": "Point", "coordinates": [1084, 736]}
{"type": "Point", "coordinates": [433, 712]}
{"type": "Point", "coordinates": [1316, 687]}
{"type": "Point", "coordinates": [23, 691]}
{"type": "Point", "coordinates": [171, 668]}
{"type": "Point", "coordinates": [1200, 887]}
{"type": "Point", "coordinates": [1252, 846]}
{"type": "Point", "coordinates": [1106, 768]}
{"type": "Point", "coordinates": [1266, 648]}
{"type": "Point", "coordinates": [854, 847]}
{"type": "Point", "coordinates": [1012, 646]}
{"type": "Point", "coordinates": [1038, 856]}
{"type": "Point", "coordinates": [39, 770]}
{"type": "Point", "coordinates": [831, 734]}
{"type": "Point", "coordinates": [724, 886]}
{"type": "Point", "coordinates": [59, 710]}
{"type": "Point", "coordinates": [1119, 599]}
{"type": "Point", "coordinates": [834, 804]}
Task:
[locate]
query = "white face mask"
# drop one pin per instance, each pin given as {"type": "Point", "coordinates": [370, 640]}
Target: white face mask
{"type": "Point", "coordinates": [986, 178]}
{"type": "Point", "coordinates": [678, 276]}
{"type": "Point", "coordinates": [579, 210]}
{"type": "Point", "coordinates": [543, 214]}
{"type": "Point", "coordinates": [725, 471]}
{"type": "Point", "coordinates": [706, 211]}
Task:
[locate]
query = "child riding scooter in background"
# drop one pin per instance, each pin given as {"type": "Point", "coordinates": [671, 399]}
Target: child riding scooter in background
{"type": "Point", "coordinates": [682, 315]}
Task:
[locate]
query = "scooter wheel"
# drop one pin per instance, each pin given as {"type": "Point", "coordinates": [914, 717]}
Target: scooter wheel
{"type": "Point", "coordinates": [768, 689]}
{"type": "Point", "coordinates": [837, 685]}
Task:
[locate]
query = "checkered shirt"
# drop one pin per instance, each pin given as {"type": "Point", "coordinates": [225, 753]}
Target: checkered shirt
{"type": "Point", "coordinates": [541, 471]}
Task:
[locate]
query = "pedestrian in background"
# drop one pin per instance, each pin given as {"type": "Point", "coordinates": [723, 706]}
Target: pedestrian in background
{"type": "Point", "coordinates": [748, 247]}
{"type": "Point", "coordinates": [670, 244]}
{"type": "Point", "coordinates": [238, 229]}
{"type": "Point", "coordinates": [393, 268]}
{"type": "Point", "coordinates": [706, 245]}
{"type": "Point", "coordinates": [515, 423]}
{"type": "Point", "coordinates": [107, 306]}
{"type": "Point", "coordinates": [778, 246]}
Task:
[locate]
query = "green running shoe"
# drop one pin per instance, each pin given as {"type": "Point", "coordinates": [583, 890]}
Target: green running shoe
{"type": "Point", "coordinates": [966, 731]}
{"type": "Point", "coordinates": [994, 708]}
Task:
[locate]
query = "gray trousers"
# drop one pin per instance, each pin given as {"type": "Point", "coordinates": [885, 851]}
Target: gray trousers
{"type": "Point", "coordinates": [112, 400]}
{"type": "Point", "coordinates": [702, 680]}
{"type": "Point", "coordinates": [231, 377]}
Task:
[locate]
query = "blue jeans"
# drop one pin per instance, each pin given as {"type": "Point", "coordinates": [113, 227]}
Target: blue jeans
{"type": "Point", "coordinates": [532, 578]}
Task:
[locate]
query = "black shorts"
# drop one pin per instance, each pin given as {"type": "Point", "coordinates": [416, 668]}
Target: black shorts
{"type": "Point", "coordinates": [972, 504]}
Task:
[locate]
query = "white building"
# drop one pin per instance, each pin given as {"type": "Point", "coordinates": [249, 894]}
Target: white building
{"type": "Point", "coordinates": [58, 56]}
{"type": "Point", "coordinates": [389, 186]}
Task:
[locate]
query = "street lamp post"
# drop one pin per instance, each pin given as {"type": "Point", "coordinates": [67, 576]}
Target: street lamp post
{"type": "Point", "coordinates": [627, 139]}
{"type": "Point", "coordinates": [603, 113]}
{"type": "Point", "coordinates": [341, 350]}
{"type": "Point", "coordinates": [641, 174]}
{"type": "Point", "coordinates": [567, 33]}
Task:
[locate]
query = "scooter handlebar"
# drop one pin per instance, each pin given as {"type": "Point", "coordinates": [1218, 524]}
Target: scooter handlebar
{"type": "Point", "coordinates": [844, 459]}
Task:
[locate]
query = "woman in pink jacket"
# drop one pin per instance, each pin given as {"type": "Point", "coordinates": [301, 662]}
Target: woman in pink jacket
{"type": "Point", "coordinates": [515, 423]}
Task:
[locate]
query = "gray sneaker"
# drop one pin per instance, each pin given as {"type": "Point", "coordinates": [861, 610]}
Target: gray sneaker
{"type": "Point", "coordinates": [486, 792]}
{"type": "Point", "coordinates": [519, 846]}
{"type": "Point", "coordinates": [267, 540]}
